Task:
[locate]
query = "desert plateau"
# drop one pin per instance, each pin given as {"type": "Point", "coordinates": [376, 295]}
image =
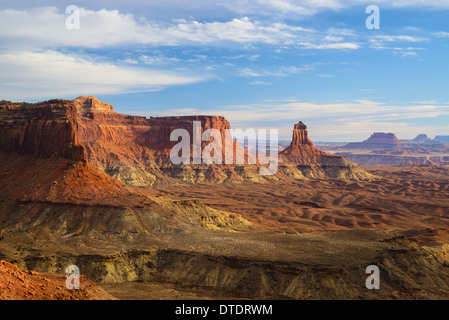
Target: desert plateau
{"type": "Point", "coordinates": [83, 185]}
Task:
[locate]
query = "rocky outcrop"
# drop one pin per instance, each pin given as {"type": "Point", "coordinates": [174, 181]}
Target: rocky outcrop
{"type": "Point", "coordinates": [136, 150]}
{"type": "Point", "coordinates": [407, 271]}
{"type": "Point", "coordinates": [314, 163]}
{"type": "Point", "coordinates": [301, 150]}
{"type": "Point", "coordinates": [92, 104]}
{"type": "Point", "coordinates": [42, 130]}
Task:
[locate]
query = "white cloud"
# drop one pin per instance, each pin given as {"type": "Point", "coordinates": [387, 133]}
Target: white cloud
{"type": "Point", "coordinates": [260, 83]}
{"type": "Point", "coordinates": [388, 42]}
{"type": "Point", "coordinates": [277, 72]}
{"type": "Point", "coordinates": [397, 38]}
{"type": "Point", "coordinates": [408, 54]}
{"type": "Point", "coordinates": [158, 60]}
{"type": "Point", "coordinates": [247, 72]}
{"type": "Point", "coordinates": [45, 27]}
{"type": "Point", "coordinates": [336, 46]}
{"type": "Point", "coordinates": [294, 9]}
{"type": "Point", "coordinates": [298, 9]}
{"type": "Point", "coordinates": [51, 74]}
{"type": "Point", "coordinates": [35, 63]}
{"type": "Point", "coordinates": [441, 34]}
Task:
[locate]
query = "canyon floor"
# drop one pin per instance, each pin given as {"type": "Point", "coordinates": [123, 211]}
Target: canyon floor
{"type": "Point", "coordinates": [323, 234]}
{"type": "Point", "coordinates": [295, 239]}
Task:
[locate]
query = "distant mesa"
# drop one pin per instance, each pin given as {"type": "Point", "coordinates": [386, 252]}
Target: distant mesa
{"type": "Point", "coordinates": [422, 138]}
{"type": "Point", "coordinates": [442, 138]}
{"type": "Point", "coordinates": [383, 138]}
{"type": "Point", "coordinates": [386, 149]}
{"type": "Point", "coordinates": [378, 140]}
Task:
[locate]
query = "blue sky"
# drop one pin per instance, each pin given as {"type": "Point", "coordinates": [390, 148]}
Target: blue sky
{"type": "Point", "coordinates": [260, 63]}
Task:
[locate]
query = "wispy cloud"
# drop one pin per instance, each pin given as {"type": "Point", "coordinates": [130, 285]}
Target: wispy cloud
{"type": "Point", "coordinates": [331, 45]}
{"type": "Point", "coordinates": [50, 74]}
{"type": "Point", "coordinates": [280, 71]}
{"type": "Point", "coordinates": [407, 54]}
{"type": "Point", "coordinates": [260, 83]}
{"type": "Point", "coordinates": [441, 34]}
{"type": "Point", "coordinates": [45, 27]}
{"type": "Point", "coordinates": [398, 38]}
{"type": "Point", "coordinates": [300, 9]}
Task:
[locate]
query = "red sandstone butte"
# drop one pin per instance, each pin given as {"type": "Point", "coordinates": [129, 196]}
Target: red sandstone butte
{"type": "Point", "coordinates": [301, 149]}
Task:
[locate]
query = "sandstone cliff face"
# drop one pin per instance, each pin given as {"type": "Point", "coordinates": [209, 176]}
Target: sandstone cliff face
{"type": "Point", "coordinates": [92, 104]}
{"type": "Point", "coordinates": [41, 129]}
{"type": "Point", "coordinates": [136, 150]}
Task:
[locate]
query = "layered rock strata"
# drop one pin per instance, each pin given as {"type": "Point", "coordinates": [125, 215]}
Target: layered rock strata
{"type": "Point", "coordinates": [136, 149]}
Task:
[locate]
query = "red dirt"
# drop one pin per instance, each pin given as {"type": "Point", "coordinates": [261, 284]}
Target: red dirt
{"type": "Point", "coordinates": [16, 284]}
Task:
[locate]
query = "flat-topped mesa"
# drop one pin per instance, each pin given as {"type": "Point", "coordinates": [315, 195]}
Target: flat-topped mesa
{"type": "Point", "coordinates": [92, 104]}
{"type": "Point", "coordinates": [378, 140]}
{"type": "Point", "coordinates": [382, 137]}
